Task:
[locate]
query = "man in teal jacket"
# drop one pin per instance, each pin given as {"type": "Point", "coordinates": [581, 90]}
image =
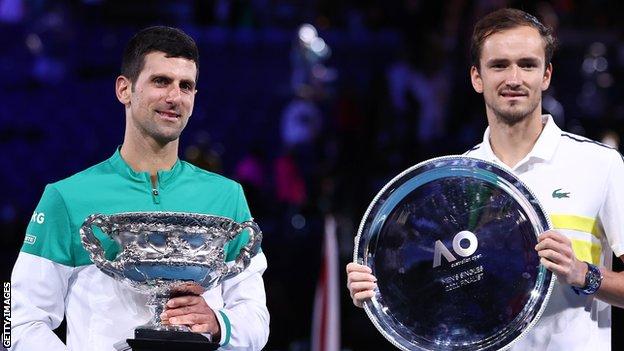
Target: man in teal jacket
{"type": "Point", "coordinates": [54, 276]}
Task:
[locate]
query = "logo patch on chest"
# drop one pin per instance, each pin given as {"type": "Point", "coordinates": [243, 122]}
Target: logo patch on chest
{"type": "Point", "coordinates": [558, 194]}
{"type": "Point", "coordinates": [30, 239]}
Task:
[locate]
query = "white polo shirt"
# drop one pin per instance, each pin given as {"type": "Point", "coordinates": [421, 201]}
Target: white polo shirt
{"type": "Point", "coordinates": [580, 184]}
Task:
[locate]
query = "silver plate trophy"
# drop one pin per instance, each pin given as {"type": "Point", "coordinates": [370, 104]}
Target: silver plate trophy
{"type": "Point", "coordinates": [451, 242]}
{"type": "Point", "coordinates": [164, 254]}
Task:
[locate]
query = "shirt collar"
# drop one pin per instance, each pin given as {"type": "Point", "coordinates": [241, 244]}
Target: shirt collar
{"type": "Point", "coordinates": [544, 147]}
{"type": "Point", "coordinates": [121, 167]}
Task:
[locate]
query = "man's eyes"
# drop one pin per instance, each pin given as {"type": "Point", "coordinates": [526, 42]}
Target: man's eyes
{"type": "Point", "coordinates": [528, 65]}
{"type": "Point", "coordinates": [163, 82]}
{"type": "Point", "coordinates": [186, 86]}
{"type": "Point", "coordinates": [500, 66]}
{"type": "Point", "coordinates": [160, 81]}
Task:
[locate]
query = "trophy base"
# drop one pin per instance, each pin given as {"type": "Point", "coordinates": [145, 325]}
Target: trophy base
{"type": "Point", "coordinates": [157, 340]}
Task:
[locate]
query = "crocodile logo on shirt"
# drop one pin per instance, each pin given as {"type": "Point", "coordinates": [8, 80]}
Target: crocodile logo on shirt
{"type": "Point", "coordinates": [558, 194]}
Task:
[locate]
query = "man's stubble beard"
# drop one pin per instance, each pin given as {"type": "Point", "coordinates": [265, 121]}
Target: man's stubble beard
{"type": "Point", "coordinates": [160, 135]}
{"type": "Point", "coordinates": [511, 118]}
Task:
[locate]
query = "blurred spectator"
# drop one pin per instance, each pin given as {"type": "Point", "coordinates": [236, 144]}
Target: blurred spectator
{"type": "Point", "coordinates": [251, 173]}
{"type": "Point", "coordinates": [250, 169]}
{"type": "Point", "coordinates": [419, 89]}
{"type": "Point", "coordinates": [290, 187]}
{"type": "Point", "coordinates": [11, 11]}
{"type": "Point", "coordinates": [301, 121]}
{"type": "Point", "coordinates": [204, 154]}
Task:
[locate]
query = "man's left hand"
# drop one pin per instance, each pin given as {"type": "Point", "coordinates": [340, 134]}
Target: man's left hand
{"type": "Point", "coordinates": [192, 311]}
{"type": "Point", "coordinates": [556, 254]}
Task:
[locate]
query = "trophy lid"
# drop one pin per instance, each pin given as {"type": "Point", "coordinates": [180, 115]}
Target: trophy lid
{"type": "Point", "coordinates": [451, 242]}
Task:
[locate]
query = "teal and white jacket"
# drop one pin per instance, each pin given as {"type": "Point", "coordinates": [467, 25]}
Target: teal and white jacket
{"type": "Point", "coordinates": [54, 276]}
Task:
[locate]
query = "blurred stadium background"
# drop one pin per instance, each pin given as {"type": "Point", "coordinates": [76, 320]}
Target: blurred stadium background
{"type": "Point", "coordinates": [311, 119]}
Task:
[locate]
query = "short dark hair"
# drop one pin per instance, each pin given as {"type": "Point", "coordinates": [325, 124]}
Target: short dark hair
{"type": "Point", "coordinates": [503, 19]}
{"type": "Point", "coordinates": [172, 41]}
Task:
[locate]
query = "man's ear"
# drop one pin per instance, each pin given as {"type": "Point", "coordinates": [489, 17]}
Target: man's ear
{"type": "Point", "coordinates": [475, 79]}
{"type": "Point", "coordinates": [547, 75]}
{"type": "Point", "coordinates": [123, 89]}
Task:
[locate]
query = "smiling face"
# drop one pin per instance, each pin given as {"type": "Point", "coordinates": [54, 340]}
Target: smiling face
{"type": "Point", "coordinates": [160, 101]}
{"type": "Point", "coordinates": [512, 74]}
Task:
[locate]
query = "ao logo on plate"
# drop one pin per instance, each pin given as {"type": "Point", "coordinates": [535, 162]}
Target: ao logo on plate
{"type": "Point", "coordinates": [441, 250]}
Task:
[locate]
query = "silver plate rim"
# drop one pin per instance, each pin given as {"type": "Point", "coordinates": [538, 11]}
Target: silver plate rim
{"type": "Point", "coordinates": [367, 304]}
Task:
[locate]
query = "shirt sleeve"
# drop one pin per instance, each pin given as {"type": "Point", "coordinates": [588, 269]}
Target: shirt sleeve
{"type": "Point", "coordinates": [40, 277]}
{"type": "Point", "coordinates": [612, 210]}
{"type": "Point", "coordinates": [244, 319]}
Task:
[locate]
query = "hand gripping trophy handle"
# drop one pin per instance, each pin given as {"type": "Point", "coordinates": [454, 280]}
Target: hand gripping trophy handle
{"type": "Point", "coordinates": [93, 245]}
{"type": "Point", "coordinates": [246, 252]}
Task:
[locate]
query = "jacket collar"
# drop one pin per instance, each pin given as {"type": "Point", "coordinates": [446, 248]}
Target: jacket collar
{"type": "Point", "coordinates": [121, 167]}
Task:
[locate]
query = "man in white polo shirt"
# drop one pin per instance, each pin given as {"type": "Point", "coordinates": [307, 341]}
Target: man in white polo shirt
{"type": "Point", "coordinates": [579, 182]}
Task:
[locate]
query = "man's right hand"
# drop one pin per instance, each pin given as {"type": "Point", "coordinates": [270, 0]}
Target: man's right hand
{"type": "Point", "coordinates": [360, 282]}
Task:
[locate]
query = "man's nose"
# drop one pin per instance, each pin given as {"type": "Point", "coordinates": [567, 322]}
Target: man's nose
{"type": "Point", "coordinates": [513, 77]}
{"type": "Point", "coordinates": [174, 94]}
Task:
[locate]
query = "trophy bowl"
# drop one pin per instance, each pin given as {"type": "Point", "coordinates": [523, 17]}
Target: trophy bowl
{"type": "Point", "coordinates": [167, 254]}
{"type": "Point", "coordinates": [451, 242]}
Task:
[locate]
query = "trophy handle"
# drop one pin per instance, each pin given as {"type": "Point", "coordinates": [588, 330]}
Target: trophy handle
{"type": "Point", "coordinates": [93, 245]}
{"type": "Point", "coordinates": [246, 252]}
